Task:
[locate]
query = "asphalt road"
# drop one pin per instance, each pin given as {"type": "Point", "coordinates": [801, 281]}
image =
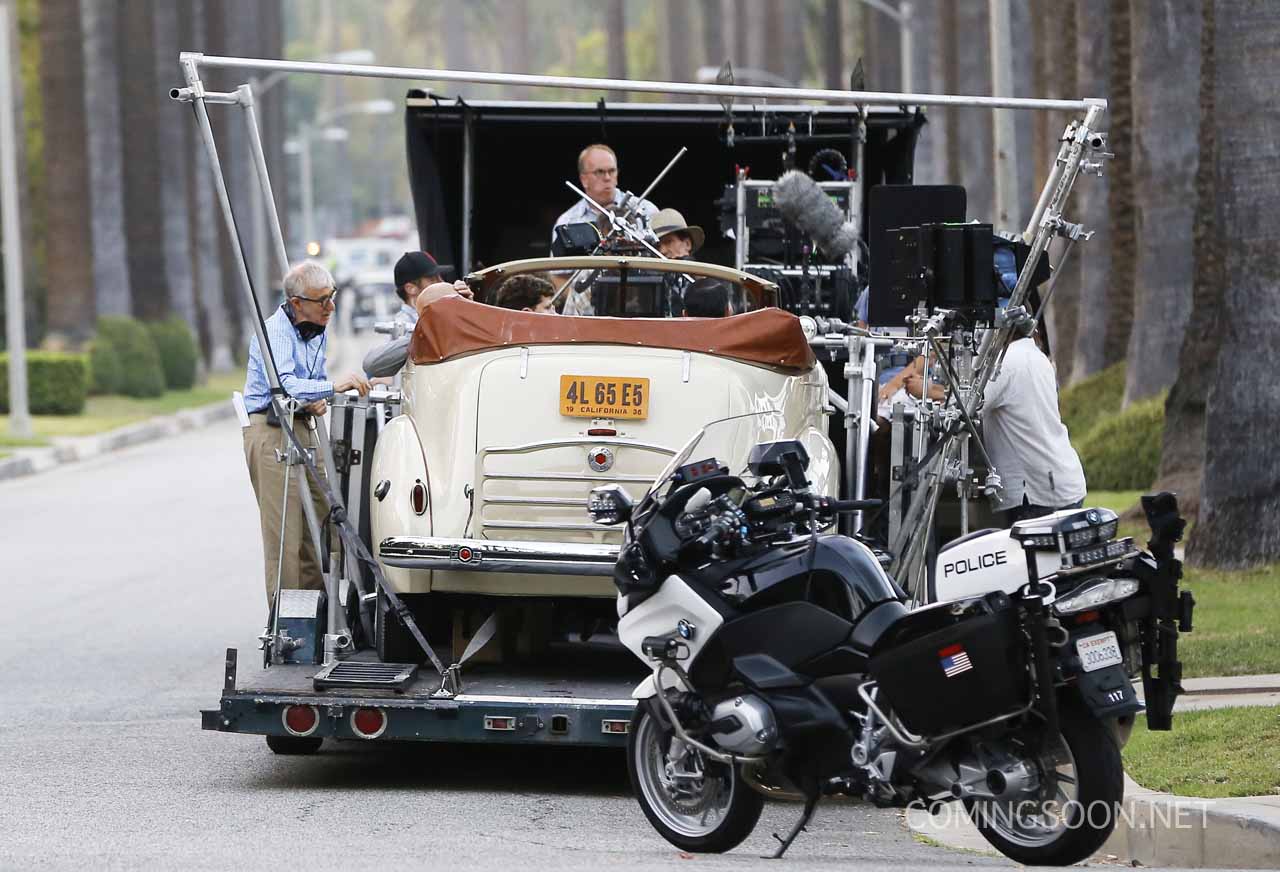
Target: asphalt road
{"type": "Point", "coordinates": [126, 577]}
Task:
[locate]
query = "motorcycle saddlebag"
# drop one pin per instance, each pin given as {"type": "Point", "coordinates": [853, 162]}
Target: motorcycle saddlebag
{"type": "Point", "coordinates": [954, 665]}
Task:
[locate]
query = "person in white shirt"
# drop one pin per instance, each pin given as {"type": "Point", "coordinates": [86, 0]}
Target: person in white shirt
{"type": "Point", "coordinates": [1023, 432]}
{"type": "Point", "coordinates": [598, 178]}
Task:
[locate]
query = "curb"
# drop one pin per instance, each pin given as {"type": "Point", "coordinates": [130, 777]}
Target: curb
{"type": "Point", "coordinates": [1154, 829]}
{"type": "Point", "coordinates": [70, 449]}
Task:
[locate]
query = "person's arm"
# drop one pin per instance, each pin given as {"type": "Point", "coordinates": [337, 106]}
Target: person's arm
{"type": "Point", "coordinates": [891, 387]}
{"type": "Point", "coordinates": [388, 359]}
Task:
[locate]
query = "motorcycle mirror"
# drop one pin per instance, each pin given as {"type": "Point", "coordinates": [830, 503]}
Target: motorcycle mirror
{"type": "Point", "coordinates": [609, 504]}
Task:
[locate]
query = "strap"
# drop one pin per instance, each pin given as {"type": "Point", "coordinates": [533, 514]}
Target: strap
{"type": "Point", "coordinates": [351, 541]}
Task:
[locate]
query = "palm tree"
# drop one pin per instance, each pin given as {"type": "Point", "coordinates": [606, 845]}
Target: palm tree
{"type": "Point", "coordinates": [1092, 63]}
{"type": "Point", "coordinates": [99, 22]}
{"type": "Point", "coordinates": [1182, 454]}
{"type": "Point", "coordinates": [1166, 106]}
{"type": "Point", "coordinates": [71, 305]}
{"type": "Point", "coordinates": [173, 143]}
{"type": "Point", "coordinates": [139, 98]}
{"type": "Point", "coordinates": [1241, 491]}
{"type": "Point", "coordinates": [1119, 321]}
{"type": "Point", "coordinates": [969, 130]}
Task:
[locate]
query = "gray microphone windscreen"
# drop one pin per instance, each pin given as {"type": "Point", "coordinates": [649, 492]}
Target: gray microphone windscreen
{"type": "Point", "coordinates": [808, 207]}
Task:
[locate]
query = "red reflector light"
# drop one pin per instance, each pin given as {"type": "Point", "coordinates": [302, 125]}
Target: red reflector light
{"type": "Point", "coordinates": [418, 497]}
{"type": "Point", "coordinates": [615, 727]}
{"type": "Point", "coordinates": [1086, 617]}
{"type": "Point", "coordinates": [602, 459]}
{"type": "Point", "coordinates": [499, 723]}
{"type": "Point", "coordinates": [368, 723]}
{"type": "Point", "coordinates": [602, 431]}
{"type": "Point", "coordinates": [300, 720]}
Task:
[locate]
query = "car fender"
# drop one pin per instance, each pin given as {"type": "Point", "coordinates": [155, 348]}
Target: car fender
{"type": "Point", "coordinates": [399, 461]}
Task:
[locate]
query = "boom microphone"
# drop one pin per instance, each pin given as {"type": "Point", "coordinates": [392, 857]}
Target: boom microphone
{"type": "Point", "coordinates": [808, 207]}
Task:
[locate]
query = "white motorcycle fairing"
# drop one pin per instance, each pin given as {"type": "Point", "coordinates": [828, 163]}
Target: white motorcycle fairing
{"type": "Point", "coordinates": [661, 615]}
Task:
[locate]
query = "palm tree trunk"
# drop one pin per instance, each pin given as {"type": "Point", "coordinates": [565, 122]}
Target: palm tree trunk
{"type": "Point", "coordinates": [679, 41]}
{"type": "Point", "coordinates": [832, 46]}
{"type": "Point", "coordinates": [1115, 342]}
{"type": "Point", "coordinates": [173, 141]}
{"type": "Point", "coordinates": [1241, 493]}
{"type": "Point", "coordinates": [1166, 62]}
{"type": "Point", "coordinates": [970, 129]}
{"type": "Point", "coordinates": [140, 92]}
{"type": "Point", "coordinates": [1091, 194]}
{"type": "Point", "coordinates": [713, 28]}
{"type": "Point", "coordinates": [215, 315]}
{"type": "Point", "coordinates": [99, 22]}
{"type": "Point", "coordinates": [1182, 453]}
{"type": "Point", "coordinates": [929, 75]}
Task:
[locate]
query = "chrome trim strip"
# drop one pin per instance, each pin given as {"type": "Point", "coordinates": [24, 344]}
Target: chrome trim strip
{"type": "Point", "coordinates": [602, 478]}
{"type": "Point", "coordinates": [567, 502]}
{"type": "Point", "coordinates": [625, 702]}
{"type": "Point", "coordinates": [541, 525]}
{"type": "Point", "coordinates": [498, 555]}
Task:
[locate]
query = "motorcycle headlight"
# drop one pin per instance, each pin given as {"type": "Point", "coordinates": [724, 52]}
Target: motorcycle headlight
{"type": "Point", "coordinates": [1095, 595]}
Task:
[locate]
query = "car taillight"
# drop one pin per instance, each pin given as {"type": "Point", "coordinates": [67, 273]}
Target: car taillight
{"type": "Point", "coordinates": [368, 723]}
{"type": "Point", "coordinates": [300, 720]}
{"type": "Point", "coordinates": [418, 497]}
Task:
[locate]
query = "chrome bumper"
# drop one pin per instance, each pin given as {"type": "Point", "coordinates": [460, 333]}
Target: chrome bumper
{"type": "Point", "coordinates": [497, 555]}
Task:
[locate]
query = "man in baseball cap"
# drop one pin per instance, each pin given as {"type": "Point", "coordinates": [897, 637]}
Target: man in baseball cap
{"type": "Point", "coordinates": [415, 270]}
{"type": "Point", "coordinates": [676, 239]}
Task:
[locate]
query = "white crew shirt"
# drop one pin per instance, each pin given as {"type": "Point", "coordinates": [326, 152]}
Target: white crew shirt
{"type": "Point", "coordinates": [583, 212]}
{"type": "Point", "coordinates": [1024, 434]}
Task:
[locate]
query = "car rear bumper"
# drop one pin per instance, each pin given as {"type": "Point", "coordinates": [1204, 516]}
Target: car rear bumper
{"type": "Point", "coordinates": [490, 555]}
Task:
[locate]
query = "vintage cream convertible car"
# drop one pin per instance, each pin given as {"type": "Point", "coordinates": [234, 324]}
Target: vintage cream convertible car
{"type": "Point", "coordinates": [510, 418]}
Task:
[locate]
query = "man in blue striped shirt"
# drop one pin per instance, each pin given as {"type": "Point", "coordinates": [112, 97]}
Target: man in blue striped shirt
{"type": "Point", "coordinates": [296, 332]}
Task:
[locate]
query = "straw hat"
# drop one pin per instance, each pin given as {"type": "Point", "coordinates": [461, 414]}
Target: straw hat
{"type": "Point", "coordinates": [666, 221]}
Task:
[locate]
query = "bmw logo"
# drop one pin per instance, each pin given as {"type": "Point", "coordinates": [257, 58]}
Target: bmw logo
{"type": "Point", "coordinates": [686, 630]}
{"type": "Point", "coordinates": [600, 458]}
{"type": "Point", "coordinates": [1093, 516]}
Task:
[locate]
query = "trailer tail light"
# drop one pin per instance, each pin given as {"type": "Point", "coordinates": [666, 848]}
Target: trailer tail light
{"type": "Point", "coordinates": [615, 728]}
{"type": "Point", "coordinates": [368, 723]}
{"type": "Point", "coordinates": [300, 720]}
{"type": "Point", "coordinates": [501, 724]}
{"type": "Point", "coordinates": [418, 497]}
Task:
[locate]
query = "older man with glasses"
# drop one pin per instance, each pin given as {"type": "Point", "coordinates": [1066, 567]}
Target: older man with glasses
{"type": "Point", "coordinates": [296, 332]}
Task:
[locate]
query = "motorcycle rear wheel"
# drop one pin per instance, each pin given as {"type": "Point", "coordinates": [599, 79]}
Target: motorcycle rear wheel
{"type": "Point", "coordinates": [707, 808]}
{"type": "Point", "coordinates": [1083, 785]}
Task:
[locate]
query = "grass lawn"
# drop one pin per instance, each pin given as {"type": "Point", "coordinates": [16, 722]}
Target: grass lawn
{"type": "Point", "coordinates": [1219, 753]}
{"type": "Point", "coordinates": [110, 412]}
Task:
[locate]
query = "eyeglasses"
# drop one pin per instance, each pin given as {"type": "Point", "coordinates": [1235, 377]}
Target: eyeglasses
{"type": "Point", "coordinates": [330, 298]}
{"type": "Point", "coordinates": [604, 174]}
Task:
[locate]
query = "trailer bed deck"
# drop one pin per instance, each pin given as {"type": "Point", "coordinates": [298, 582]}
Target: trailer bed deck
{"type": "Point", "coordinates": [582, 706]}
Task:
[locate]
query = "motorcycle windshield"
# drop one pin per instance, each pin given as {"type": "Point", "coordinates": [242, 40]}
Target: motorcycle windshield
{"type": "Point", "coordinates": [729, 441]}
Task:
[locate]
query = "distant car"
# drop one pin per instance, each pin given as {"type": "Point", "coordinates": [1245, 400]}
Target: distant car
{"type": "Point", "coordinates": [510, 419]}
{"type": "Point", "coordinates": [371, 297]}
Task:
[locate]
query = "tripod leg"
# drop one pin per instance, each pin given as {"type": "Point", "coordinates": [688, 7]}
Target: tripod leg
{"type": "Point", "coordinates": [810, 805]}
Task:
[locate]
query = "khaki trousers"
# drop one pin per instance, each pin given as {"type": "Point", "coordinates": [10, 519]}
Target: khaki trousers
{"type": "Point", "coordinates": [301, 565]}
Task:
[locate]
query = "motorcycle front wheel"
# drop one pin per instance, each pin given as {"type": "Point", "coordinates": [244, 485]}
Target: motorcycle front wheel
{"type": "Point", "coordinates": [698, 805]}
{"type": "Point", "coordinates": [1082, 786]}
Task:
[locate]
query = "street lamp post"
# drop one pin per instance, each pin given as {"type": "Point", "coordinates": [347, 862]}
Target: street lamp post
{"type": "Point", "coordinates": [15, 328]}
{"type": "Point", "coordinates": [258, 88]}
{"type": "Point", "coordinates": [321, 125]}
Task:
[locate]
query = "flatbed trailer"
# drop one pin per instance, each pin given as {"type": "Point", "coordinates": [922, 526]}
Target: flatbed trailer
{"type": "Point", "coordinates": [497, 704]}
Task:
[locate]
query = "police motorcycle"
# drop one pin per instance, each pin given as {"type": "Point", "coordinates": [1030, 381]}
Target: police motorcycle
{"type": "Point", "coordinates": [786, 662]}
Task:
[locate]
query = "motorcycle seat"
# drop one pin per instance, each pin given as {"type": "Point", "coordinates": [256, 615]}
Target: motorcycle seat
{"type": "Point", "coordinates": [872, 625]}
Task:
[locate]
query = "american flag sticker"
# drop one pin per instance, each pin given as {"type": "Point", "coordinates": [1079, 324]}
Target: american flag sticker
{"type": "Point", "coordinates": [954, 660]}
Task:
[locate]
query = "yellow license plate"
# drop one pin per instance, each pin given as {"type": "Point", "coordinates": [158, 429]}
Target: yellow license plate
{"type": "Point", "coordinates": [604, 396]}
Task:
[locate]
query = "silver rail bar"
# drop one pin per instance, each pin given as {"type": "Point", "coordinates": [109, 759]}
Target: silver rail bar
{"type": "Point", "coordinates": [869, 98]}
{"type": "Point", "coordinates": [495, 555]}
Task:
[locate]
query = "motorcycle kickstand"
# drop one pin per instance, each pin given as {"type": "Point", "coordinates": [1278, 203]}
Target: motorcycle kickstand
{"type": "Point", "coordinates": [810, 805]}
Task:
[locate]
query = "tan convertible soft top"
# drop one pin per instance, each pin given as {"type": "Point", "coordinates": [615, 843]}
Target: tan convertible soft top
{"type": "Point", "coordinates": [453, 326]}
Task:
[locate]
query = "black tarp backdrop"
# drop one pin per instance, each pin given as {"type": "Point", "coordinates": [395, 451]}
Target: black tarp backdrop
{"type": "Point", "coordinates": [524, 152]}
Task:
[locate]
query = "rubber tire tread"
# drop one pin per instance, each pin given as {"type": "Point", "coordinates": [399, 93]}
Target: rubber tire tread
{"type": "Point", "coordinates": [295, 746]}
{"type": "Point", "coordinates": [744, 808]}
{"type": "Point", "coordinates": [1100, 777]}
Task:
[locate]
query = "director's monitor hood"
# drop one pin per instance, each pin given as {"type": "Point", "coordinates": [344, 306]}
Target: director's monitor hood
{"type": "Point", "coordinates": [516, 156]}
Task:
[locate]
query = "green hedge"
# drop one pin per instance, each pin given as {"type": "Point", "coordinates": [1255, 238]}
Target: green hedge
{"type": "Point", "coordinates": [1091, 399]}
{"type": "Point", "coordinates": [1123, 452]}
{"type": "Point", "coordinates": [178, 354]}
{"type": "Point", "coordinates": [141, 374]}
{"type": "Point", "coordinates": [57, 382]}
{"type": "Point", "coordinates": [105, 375]}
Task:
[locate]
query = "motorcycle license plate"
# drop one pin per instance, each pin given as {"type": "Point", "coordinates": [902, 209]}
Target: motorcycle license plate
{"type": "Point", "coordinates": [1098, 652]}
{"type": "Point", "coordinates": [603, 396]}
